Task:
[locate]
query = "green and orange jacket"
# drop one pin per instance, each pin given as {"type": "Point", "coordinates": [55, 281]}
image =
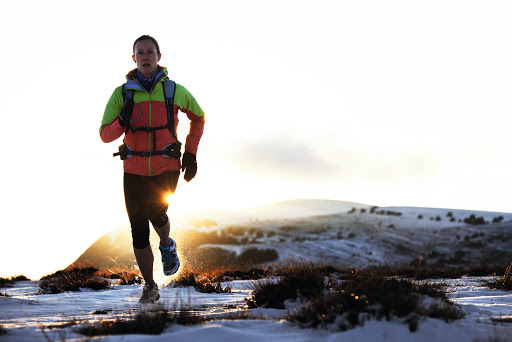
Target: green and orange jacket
{"type": "Point", "coordinates": [150, 111]}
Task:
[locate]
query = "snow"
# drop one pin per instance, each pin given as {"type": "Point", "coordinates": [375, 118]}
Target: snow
{"type": "Point", "coordinates": [24, 314]}
{"type": "Point", "coordinates": [332, 235]}
{"type": "Point", "coordinates": [364, 238]}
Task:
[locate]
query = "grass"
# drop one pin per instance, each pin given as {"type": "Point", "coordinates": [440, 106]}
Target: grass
{"type": "Point", "coordinates": [72, 279]}
{"type": "Point", "coordinates": [328, 297]}
{"type": "Point", "coordinates": [242, 274]}
{"type": "Point", "coordinates": [126, 276]}
{"type": "Point", "coordinates": [502, 319]}
{"type": "Point", "coordinates": [419, 271]}
{"type": "Point", "coordinates": [376, 295]}
{"type": "Point", "coordinates": [296, 279]}
{"type": "Point", "coordinates": [342, 298]}
{"type": "Point", "coordinates": [7, 282]}
{"type": "Point", "coordinates": [75, 278]}
{"type": "Point", "coordinates": [505, 282]}
{"type": "Point", "coordinates": [201, 284]}
{"type": "Point", "coordinates": [152, 322]}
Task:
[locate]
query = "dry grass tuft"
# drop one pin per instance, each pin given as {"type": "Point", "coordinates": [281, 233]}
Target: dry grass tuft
{"type": "Point", "coordinates": [345, 298]}
{"type": "Point", "coordinates": [126, 276]}
{"type": "Point", "coordinates": [505, 282]}
{"type": "Point", "coordinates": [8, 282]}
{"type": "Point", "coordinates": [72, 280]}
{"type": "Point", "coordinates": [296, 279]}
{"type": "Point", "coordinates": [152, 322]}
{"type": "Point", "coordinates": [369, 294]}
{"type": "Point", "coordinates": [76, 277]}
{"type": "Point", "coordinates": [200, 284]}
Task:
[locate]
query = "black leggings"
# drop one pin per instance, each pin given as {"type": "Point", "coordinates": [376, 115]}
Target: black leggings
{"type": "Point", "coordinates": [146, 200]}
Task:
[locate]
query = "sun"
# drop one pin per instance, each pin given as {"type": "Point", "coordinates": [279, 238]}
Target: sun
{"type": "Point", "coordinates": [168, 198]}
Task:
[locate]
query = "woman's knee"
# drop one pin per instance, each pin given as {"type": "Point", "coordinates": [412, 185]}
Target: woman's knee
{"type": "Point", "coordinates": [160, 220]}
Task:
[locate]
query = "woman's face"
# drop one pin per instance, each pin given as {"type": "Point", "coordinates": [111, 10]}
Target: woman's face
{"type": "Point", "coordinates": [146, 57]}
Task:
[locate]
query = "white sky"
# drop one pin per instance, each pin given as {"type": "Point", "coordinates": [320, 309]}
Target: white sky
{"type": "Point", "coordinates": [379, 102]}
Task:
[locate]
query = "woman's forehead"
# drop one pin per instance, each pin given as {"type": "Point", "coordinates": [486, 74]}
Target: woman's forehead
{"type": "Point", "coordinates": [145, 45]}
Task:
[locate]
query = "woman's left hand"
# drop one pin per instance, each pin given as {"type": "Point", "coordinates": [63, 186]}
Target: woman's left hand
{"type": "Point", "coordinates": [189, 165]}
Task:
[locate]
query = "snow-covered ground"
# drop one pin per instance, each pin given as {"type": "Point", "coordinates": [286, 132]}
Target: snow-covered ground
{"type": "Point", "coordinates": [349, 234]}
{"type": "Point", "coordinates": [25, 315]}
{"type": "Point", "coordinates": [343, 234]}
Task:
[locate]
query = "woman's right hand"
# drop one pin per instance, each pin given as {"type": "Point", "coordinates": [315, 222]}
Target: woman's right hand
{"type": "Point", "coordinates": [126, 113]}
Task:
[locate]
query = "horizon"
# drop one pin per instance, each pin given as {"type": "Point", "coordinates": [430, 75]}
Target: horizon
{"type": "Point", "coordinates": [392, 103]}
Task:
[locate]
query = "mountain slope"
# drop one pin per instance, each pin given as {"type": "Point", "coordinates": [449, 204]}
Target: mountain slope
{"type": "Point", "coordinates": [340, 233]}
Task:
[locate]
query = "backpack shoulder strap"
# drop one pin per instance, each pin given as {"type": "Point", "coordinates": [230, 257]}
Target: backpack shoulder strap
{"type": "Point", "coordinates": [169, 91]}
{"type": "Point", "coordinates": [127, 93]}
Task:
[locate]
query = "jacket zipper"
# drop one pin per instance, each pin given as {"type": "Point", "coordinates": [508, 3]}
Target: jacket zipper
{"type": "Point", "coordinates": [150, 136]}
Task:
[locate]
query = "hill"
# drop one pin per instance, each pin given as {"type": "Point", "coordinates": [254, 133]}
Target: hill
{"type": "Point", "coordinates": [340, 233]}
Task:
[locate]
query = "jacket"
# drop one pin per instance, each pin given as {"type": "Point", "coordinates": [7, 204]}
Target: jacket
{"type": "Point", "coordinates": [150, 111]}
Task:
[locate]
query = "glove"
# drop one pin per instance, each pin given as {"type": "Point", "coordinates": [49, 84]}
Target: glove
{"type": "Point", "coordinates": [126, 113]}
{"type": "Point", "coordinates": [189, 165]}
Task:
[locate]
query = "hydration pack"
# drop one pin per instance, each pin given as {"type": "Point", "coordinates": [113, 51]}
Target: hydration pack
{"type": "Point", "coordinates": [172, 151]}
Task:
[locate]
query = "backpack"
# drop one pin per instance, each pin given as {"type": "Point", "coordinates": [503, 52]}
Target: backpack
{"type": "Point", "coordinates": [172, 151]}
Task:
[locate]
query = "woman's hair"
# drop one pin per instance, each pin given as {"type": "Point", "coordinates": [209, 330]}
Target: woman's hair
{"type": "Point", "coordinates": [144, 37]}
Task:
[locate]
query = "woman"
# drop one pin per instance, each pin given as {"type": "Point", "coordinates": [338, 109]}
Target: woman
{"type": "Point", "coordinates": [151, 153]}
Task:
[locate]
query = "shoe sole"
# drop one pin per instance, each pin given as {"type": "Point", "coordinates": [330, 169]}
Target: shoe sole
{"type": "Point", "coordinates": [150, 301]}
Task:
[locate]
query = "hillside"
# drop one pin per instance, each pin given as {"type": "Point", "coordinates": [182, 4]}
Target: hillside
{"type": "Point", "coordinates": [341, 233]}
{"type": "Point", "coordinates": [350, 236]}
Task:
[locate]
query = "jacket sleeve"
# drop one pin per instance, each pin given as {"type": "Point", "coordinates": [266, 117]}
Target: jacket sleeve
{"type": "Point", "coordinates": [110, 129]}
{"type": "Point", "coordinates": [188, 105]}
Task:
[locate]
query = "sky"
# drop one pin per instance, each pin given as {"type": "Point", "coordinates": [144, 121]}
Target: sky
{"type": "Point", "coordinates": [385, 103]}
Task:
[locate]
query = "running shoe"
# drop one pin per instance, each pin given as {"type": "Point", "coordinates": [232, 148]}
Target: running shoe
{"type": "Point", "coordinates": [170, 260]}
{"type": "Point", "coordinates": [150, 294]}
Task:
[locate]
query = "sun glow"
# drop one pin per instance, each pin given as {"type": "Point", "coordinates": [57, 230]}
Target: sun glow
{"type": "Point", "coordinates": [168, 198]}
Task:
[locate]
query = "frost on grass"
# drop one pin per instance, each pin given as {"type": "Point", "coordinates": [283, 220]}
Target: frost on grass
{"type": "Point", "coordinates": [343, 299]}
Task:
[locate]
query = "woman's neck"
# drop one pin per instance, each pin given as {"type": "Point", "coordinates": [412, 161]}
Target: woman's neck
{"type": "Point", "coordinates": [147, 77]}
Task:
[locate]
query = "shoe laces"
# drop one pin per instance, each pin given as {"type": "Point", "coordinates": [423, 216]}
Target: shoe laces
{"type": "Point", "coordinates": [168, 250]}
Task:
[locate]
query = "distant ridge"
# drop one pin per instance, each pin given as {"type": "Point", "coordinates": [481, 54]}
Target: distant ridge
{"type": "Point", "coordinates": [301, 208]}
{"type": "Point", "coordinates": [288, 209]}
{"type": "Point", "coordinates": [340, 232]}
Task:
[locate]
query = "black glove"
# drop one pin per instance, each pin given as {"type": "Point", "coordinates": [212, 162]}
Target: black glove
{"type": "Point", "coordinates": [189, 165]}
{"type": "Point", "coordinates": [126, 114]}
